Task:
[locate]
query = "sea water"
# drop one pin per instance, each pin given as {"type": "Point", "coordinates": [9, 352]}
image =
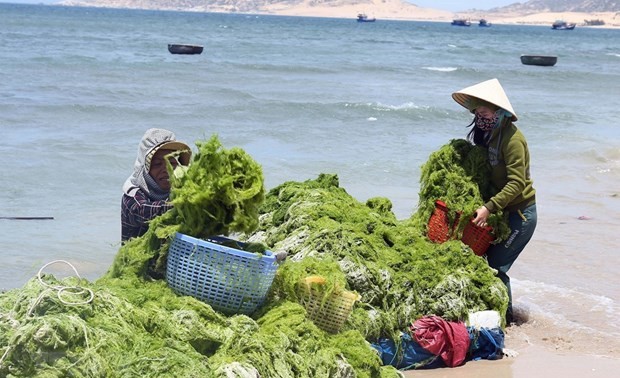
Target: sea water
{"type": "Point", "coordinates": [303, 96]}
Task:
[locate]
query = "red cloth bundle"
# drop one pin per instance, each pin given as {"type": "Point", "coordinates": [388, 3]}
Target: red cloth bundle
{"type": "Point", "coordinates": [449, 340]}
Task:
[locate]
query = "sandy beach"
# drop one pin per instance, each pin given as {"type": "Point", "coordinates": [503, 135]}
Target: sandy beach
{"type": "Point", "coordinates": [532, 361]}
{"type": "Point", "coordinates": [398, 10]}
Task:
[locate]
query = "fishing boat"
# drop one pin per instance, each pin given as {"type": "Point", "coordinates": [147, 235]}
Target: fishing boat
{"type": "Point", "coordinates": [539, 60]}
{"type": "Point", "coordinates": [484, 23]}
{"type": "Point", "coordinates": [595, 22]}
{"type": "Point", "coordinates": [176, 48]}
{"type": "Point", "coordinates": [362, 17]}
{"type": "Point", "coordinates": [461, 22]}
{"type": "Point", "coordinates": [562, 25]}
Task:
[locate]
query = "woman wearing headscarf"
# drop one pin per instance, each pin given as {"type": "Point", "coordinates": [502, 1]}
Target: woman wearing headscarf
{"type": "Point", "coordinates": [509, 158]}
{"type": "Point", "coordinates": [147, 190]}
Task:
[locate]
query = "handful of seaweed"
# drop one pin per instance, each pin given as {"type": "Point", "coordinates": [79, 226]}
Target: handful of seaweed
{"type": "Point", "coordinates": [458, 174]}
{"type": "Point", "coordinates": [136, 326]}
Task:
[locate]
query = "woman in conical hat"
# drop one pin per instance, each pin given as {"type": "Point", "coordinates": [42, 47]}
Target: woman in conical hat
{"type": "Point", "coordinates": [509, 158]}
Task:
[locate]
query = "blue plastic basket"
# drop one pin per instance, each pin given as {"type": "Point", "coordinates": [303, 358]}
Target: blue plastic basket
{"type": "Point", "coordinates": [232, 281]}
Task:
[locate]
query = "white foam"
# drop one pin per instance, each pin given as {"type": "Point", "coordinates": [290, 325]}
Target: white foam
{"type": "Point", "coordinates": [565, 307]}
{"type": "Point", "coordinates": [441, 69]}
{"type": "Point", "coordinates": [406, 105]}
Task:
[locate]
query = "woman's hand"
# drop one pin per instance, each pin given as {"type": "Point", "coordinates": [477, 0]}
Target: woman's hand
{"type": "Point", "coordinates": [481, 216]}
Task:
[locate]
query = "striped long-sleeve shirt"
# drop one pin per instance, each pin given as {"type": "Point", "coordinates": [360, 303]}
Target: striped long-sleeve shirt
{"type": "Point", "coordinates": [137, 211]}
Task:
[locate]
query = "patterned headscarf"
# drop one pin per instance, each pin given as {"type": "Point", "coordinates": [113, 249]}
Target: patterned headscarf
{"type": "Point", "coordinates": [153, 140]}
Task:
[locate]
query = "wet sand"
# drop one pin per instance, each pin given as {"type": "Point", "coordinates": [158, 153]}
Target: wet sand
{"type": "Point", "coordinates": [532, 361]}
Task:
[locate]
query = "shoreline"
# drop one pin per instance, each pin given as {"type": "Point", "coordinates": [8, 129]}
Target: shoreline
{"type": "Point", "coordinates": [387, 10]}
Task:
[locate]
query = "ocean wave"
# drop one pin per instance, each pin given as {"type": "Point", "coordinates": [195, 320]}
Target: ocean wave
{"type": "Point", "coordinates": [441, 69]}
{"type": "Point", "coordinates": [560, 306]}
{"type": "Point", "coordinates": [283, 68]}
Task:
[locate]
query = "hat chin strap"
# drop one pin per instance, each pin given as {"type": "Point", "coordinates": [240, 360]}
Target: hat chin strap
{"type": "Point", "coordinates": [501, 115]}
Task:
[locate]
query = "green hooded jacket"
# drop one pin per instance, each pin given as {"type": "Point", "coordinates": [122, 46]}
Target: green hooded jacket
{"type": "Point", "coordinates": [510, 170]}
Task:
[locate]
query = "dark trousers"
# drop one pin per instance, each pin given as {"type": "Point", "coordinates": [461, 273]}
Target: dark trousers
{"type": "Point", "coordinates": [502, 256]}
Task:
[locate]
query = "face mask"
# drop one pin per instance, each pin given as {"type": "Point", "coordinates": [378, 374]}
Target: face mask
{"type": "Point", "coordinates": [486, 124]}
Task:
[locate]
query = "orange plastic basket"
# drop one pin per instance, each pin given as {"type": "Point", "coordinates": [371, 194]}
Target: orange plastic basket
{"type": "Point", "coordinates": [439, 229]}
{"type": "Point", "coordinates": [478, 238]}
{"type": "Point", "coordinates": [438, 224]}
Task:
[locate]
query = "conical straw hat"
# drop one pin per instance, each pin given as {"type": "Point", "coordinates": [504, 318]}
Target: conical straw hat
{"type": "Point", "coordinates": [490, 91]}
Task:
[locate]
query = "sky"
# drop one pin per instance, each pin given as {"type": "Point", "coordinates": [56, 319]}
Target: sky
{"type": "Point", "coordinates": [454, 6]}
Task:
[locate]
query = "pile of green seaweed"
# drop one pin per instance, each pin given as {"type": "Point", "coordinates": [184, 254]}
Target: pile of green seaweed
{"type": "Point", "coordinates": [134, 325]}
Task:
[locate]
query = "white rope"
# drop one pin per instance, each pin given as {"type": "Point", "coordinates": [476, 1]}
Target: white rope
{"type": "Point", "coordinates": [73, 290]}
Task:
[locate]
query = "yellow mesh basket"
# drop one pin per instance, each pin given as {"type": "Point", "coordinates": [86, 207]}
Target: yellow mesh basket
{"type": "Point", "coordinates": [330, 313]}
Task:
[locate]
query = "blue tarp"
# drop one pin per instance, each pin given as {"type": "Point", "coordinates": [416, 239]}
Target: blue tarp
{"type": "Point", "coordinates": [407, 355]}
{"type": "Point", "coordinates": [486, 343]}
